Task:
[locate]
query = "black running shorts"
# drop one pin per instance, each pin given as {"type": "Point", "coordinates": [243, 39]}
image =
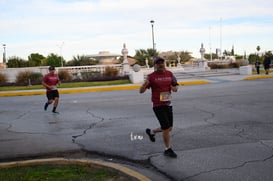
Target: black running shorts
{"type": "Point", "coordinates": [52, 94]}
{"type": "Point", "coordinates": [164, 115]}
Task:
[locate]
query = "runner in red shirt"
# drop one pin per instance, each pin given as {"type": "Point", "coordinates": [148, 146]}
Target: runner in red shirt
{"type": "Point", "coordinates": [162, 82]}
{"type": "Point", "coordinates": [50, 81]}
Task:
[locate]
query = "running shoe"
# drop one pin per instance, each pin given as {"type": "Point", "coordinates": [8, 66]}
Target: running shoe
{"type": "Point", "coordinates": [170, 153]}
{"type": "Point", "coordinates": [151, 136]}
{"type": "Point", "coordinates": [46, 105]}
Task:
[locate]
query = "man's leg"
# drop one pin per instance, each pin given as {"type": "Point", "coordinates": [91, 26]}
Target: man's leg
{"type": "Point", "coordinates": [166, 137]}
{"type": "Point", "coordinates": [49, 100]}
{"type": "Point", "coordinates": [55, 105]}
{"type": "Point", "coordinates": [167, 141]}
{"type": "Point", "coordinates": [157, 130]}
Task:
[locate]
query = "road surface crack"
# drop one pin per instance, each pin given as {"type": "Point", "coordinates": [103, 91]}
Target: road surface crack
{"type": "Point", "coordinates": [227, 168]}
{"type": "Point", "coordinates": [91, 126]}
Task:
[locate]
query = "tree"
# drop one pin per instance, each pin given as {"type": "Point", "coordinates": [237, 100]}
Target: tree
{"type": "Point", "coordinates": [213, 56]}
{"type": "Point", "coordinates": [53, 60]}
{"type": "Point", "coordinates": [141, 55]}
{"type": "Point", "coordinates": [152, 52]}
{"type": "Point", "coordinates": [35, 59]}
{"type": "Point", "coordinates": [81, 61]}
{"type": "Point", "coordinates": [16, 62]}
{"type": "Point", "coordinates": [252, 58]}
{"type": "Point", "coordinates": [258, 48]}
{"type": "Point", "coordinates": [169, 55]}
{"type": "Point", "coordinates": [185, 56]}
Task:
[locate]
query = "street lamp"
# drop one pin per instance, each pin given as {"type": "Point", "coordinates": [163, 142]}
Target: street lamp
{"type": "Point", "coordinates": [152, 23]}
{"type": "Point", "coordinates": [61, 50]}
{"type": "Point", "coordinates": [4, 54]}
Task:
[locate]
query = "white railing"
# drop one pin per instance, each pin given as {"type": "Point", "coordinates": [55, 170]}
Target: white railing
{"type": "Point", "coordinates": [89, 68]}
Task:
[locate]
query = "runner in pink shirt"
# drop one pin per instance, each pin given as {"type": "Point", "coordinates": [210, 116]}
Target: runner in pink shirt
{"type": "Point", "coordinates": [50, 81]}
{"type": "Point", "coordinates": [162, 82]}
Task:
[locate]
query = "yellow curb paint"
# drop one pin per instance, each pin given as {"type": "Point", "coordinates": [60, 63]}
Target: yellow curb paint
{"type": "Point", "coordinates": [98, 89]}
{"type": "Point", "coordinates": [63, 161]}
{"type": "Point", "coordinates": [21, 93]}
{"type": "Point", "coordinates": [92, 89]}
{"type": "Point", "coordinates": [70, 91]}
{"type": "Point", "coordinates": [254, 77]}
{"type": "Point", "coordinates": [197, 82]}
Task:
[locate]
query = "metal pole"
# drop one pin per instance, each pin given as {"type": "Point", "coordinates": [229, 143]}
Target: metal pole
{"type": "Point", "coordinates": [4, 54]}
{"type": "Point", "coordinates": [210, 43]}
{"type": "Point", "coordinates": [221, 38]}
{"type": "Point", "coordinates": [61, 50]}
{"type": "Point", "coordinates": [152, 23]}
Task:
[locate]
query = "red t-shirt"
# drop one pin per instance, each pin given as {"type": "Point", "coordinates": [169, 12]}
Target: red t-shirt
{"type": "Point", "coordinates": [160, 83]}
{"type": "Point", "coordinates": [51, 80]}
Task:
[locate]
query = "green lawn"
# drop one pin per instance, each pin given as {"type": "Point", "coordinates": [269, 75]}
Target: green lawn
{"type": "Point", "coordinates": [262, 71]}
{"type": "Point", "coordinates": [67, 85]}
{"type": "Point", "coordinates": [60, 173]}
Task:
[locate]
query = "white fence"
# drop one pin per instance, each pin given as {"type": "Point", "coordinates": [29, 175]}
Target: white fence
{"type": "Point", "coordinates": [11, 73]}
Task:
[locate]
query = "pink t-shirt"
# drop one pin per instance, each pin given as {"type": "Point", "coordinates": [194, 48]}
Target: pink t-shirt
{"type": "Point", "coordinates": [160, 83]}
{"type": "Point", "coordinates": [51, 80]}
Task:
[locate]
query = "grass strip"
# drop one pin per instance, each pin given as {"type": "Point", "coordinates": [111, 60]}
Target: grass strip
{"type": "Point", "coordinates": [59, 172]}
{"type": "Point", "coordinates": [66, 85]}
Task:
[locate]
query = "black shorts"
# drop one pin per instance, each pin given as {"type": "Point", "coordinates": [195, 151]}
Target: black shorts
{"type": "Point", "coordinates": [51, 95]}
{"type": "Point", "coordinates": [164, 115]}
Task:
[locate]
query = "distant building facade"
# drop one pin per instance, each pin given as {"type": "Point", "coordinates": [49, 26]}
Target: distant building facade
{"type": "Point", "coordinates": [105, 57]}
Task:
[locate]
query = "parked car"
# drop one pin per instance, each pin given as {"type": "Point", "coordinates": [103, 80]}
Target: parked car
{"type": "Point", "coordinates": [271, 64]}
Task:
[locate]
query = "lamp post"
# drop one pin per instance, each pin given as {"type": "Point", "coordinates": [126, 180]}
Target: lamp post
{"type": "Point", "coordinates": [152, 23]}
{"type": "Point", "coordinates": [61, 50]}
{"type": "Point", "coordinates": [4, 54]}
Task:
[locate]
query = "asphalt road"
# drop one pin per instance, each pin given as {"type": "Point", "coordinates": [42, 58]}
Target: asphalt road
{"type": "Point", "coordinates": [222, 131]}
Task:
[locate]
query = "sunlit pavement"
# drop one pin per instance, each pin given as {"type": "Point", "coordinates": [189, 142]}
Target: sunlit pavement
{"type": "Point", "coordinates": [223, 130]}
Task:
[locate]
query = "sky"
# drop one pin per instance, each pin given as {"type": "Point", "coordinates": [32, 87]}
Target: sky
{"type": "Point", "coordinates": [86, 27]}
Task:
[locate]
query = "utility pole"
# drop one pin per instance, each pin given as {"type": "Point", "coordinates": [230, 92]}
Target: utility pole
{"type": "Point", "coordinates": [152, 23]}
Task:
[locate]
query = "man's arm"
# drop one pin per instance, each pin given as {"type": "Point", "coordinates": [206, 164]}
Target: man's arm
{"type": "Point", "coordinates": [174, 88]}
{"type": "Point", "coordinates": [59, 81]}
{"type": "Point", "coordinates": [144, 86]}
{"type": "Point", "coordinates": [45, 84]}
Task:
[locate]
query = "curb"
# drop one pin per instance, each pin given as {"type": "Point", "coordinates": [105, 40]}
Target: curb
{"type": "Point", "coordinates": [113, 88]}
{"type": "Point", "coordinates": [196, 82]}
{"type": "Point", "coordinates": [62, 161]}
{"type": "Point", "coordinates": [91, 89]}
{"type": "Point", "coordinates": [258, 77]}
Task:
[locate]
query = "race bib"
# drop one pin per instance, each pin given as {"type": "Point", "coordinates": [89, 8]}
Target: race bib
{"type": "Point", "coordinates": [54, 88]}
{"type": "Point", "coordinates": [165, 96]}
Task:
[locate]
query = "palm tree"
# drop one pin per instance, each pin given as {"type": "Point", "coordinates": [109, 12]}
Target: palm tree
{"type": "Point", "coordinates": [258, 54]}
{"type": "Point", "coordinates": [258, 49]}
{"type": "Point", "coordinates": [141, 55]}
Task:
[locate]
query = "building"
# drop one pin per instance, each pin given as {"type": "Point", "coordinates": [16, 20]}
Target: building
{"type": "Point", "coordinates": [105, 57]}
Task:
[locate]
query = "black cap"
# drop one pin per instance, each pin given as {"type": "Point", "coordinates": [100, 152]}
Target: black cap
{"type": "Point", "coordinates": [51, 68]}
{"type": "Point", "coordinates": [158, 59]}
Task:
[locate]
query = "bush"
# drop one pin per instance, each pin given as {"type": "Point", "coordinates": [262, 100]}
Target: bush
{"type": "Point", "coordinates": [234, 65]}
{"type": "Point", "coordinates": [64, 75]}
{"type": "Point", "coordinates": [90, 75]}
{"type": "Point", "coordinates": [28, 77]}
{"type": "Point", "coordinates": [23, 77]}
{"type": "Point", "coordinates": [3, 78]}
{"type": "Point", "coordinates": [110, 72]}
{"type": "Point", "coordinates": [223, 65]}
{"type": "Point", "coordinates": [35, 78]}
